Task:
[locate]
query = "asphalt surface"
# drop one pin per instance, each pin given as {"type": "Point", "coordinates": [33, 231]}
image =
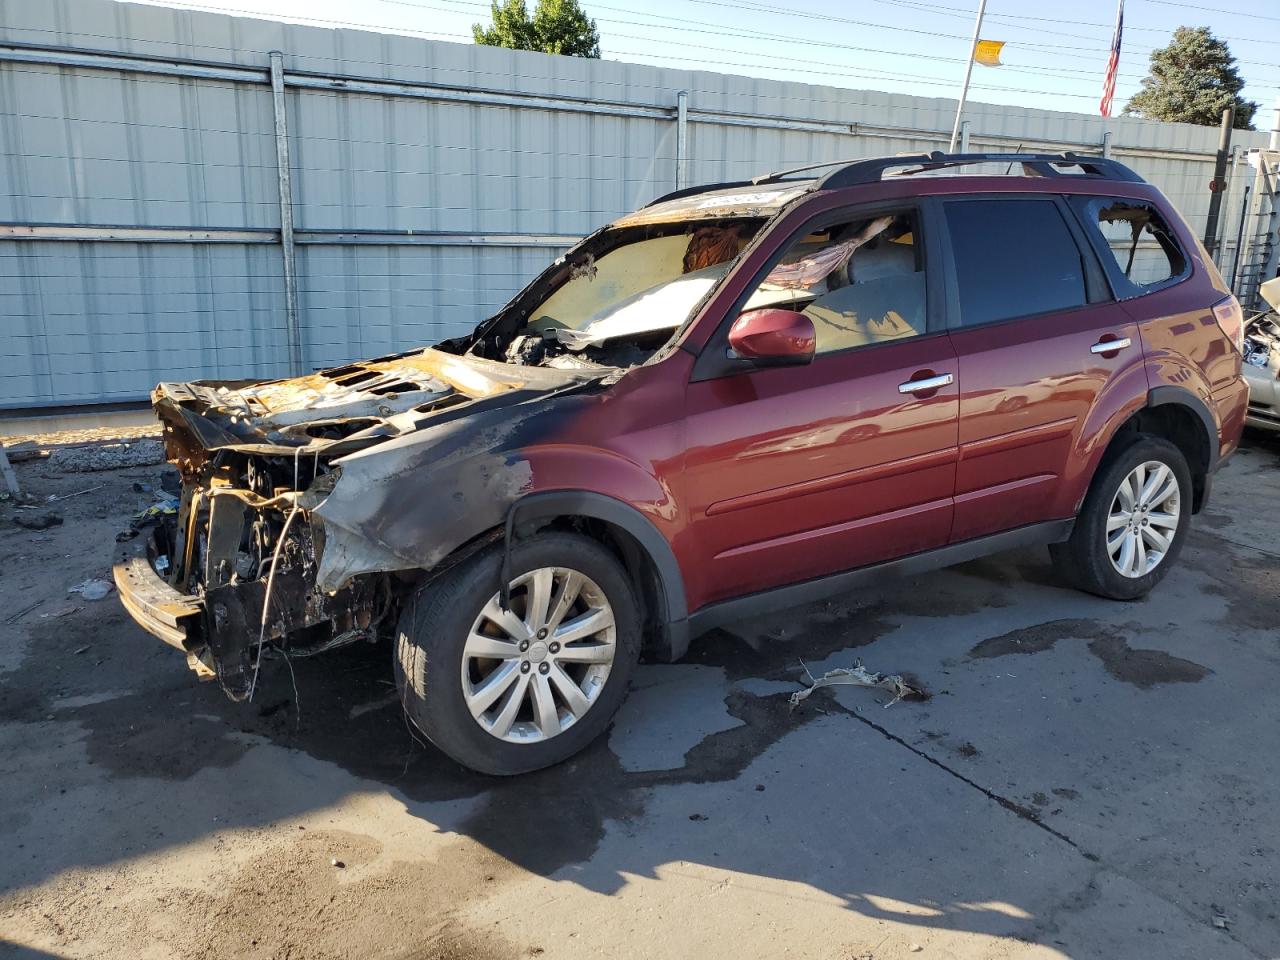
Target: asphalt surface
{"type": "Point", "coordinates": [1088, 779]}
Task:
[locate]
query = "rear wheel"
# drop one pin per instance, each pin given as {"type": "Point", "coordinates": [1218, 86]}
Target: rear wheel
{"type": "Point", "coordinates": [1133, 522]}
{"type": "Point", "coordinates": [507, 691]}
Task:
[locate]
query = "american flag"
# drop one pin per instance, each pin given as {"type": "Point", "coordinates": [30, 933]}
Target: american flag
{"type": "Point", "coordinates": [1109, 83]}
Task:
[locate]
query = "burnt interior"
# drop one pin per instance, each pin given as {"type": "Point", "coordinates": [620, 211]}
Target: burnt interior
{"type": "Point", "coordinates": [512, 335]}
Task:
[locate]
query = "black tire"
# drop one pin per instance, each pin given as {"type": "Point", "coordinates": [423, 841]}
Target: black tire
{"type": "Point", "coordinates": [1084, 561]}
{"type": "Point", "coordinates": [432, 632]}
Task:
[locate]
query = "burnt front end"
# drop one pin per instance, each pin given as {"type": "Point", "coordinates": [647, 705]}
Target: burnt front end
{"type": "Point", "coordinates": [304, 509]}
{"type": "Point", "coordinates": [233, 573]}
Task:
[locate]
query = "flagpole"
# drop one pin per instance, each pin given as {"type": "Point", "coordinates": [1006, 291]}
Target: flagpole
{"type": "Point", "coordinates": [968, 72]}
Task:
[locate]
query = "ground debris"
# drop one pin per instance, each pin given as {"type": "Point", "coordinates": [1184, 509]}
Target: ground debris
{"type": "Point", "coordinates": [38, 521]}
{"type": "Point", "coordinates": [92, 589]}
{"type": "Point", "coordinates": [107, 456]}
{"type": "Point", "coordinates": [860, 676]}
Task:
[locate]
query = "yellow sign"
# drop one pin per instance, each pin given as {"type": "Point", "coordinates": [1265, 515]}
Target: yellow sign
{"type": "Point", "coordinates": [987, 52]}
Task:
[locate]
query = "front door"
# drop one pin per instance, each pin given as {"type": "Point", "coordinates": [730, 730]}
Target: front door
{"type": "Point", "coordinates": [1038, 339]}
{"type": "Point", "coordinates": [796, 472]}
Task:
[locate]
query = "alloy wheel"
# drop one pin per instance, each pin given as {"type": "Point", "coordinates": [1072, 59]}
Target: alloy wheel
{"type": "Point", "coordinates": [1143, 520]}
{"type": "Point", "coordinates": [533, 670]}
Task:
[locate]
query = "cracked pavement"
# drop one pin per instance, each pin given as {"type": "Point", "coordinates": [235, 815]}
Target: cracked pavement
{"type": "Point", "coordinates": [1088, 779]}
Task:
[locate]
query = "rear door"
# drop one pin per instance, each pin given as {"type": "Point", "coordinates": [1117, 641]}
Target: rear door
{"type": "Point", "coordinates": [1038, 340]}
{"type": "Point", "coordinates": [796, 472]}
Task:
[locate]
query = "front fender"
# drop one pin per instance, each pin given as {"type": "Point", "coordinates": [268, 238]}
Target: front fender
{"type": "Point", "coordinates": [407, 504]}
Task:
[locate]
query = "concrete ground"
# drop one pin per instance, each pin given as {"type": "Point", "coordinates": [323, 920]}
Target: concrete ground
{"type": "Point", "coordinates": [1089, 779]}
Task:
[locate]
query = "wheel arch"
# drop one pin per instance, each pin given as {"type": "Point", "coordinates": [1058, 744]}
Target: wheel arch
{"type": "Point", "coordinates": [1182, 418]}
{"type": "Point", "coordinates": [644, 551]}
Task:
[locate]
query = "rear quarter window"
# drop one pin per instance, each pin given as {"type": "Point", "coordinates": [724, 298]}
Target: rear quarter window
{"type": "Point", "coordinates": [1138, 249]}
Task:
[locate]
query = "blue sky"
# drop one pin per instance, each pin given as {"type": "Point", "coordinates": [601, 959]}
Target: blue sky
{"type": "Point", "coordinates": [1054, 58]}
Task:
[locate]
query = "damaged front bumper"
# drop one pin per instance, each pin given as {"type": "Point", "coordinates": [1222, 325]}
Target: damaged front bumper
{"type": "Point", "coordinates": [161, 610]}
{"type": "Point", "coordinates": [225, 627]}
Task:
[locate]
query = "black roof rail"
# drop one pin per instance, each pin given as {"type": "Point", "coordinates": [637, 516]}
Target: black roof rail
{"type": "Point", "coordinates": [694, 191]}
{"type": "Point", "coordinates": [1044, 164]}
{"type": "Point", "coordinates": [872, 169]}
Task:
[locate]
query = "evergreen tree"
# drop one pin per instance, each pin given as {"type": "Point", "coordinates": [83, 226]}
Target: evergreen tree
{"type": "Point", "coordinates": [556, 26]}
{"type": "Point", "coordinates": [1192, 80]}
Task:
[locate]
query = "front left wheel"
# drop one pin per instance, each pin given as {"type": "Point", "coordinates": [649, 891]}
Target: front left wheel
{"type": "Point", "coordinates": [508, 691]}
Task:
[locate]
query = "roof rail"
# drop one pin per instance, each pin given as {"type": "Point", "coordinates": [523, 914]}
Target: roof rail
{"type": "Point", "coordinates": [872, 169]}
{"type": "Point", "coordinates": [694, 191]}
{"type": "Point", "coordinates": [1042, 164]}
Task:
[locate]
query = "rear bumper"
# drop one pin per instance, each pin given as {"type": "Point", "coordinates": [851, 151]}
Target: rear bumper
{"type": "Point", "coordinates": [161, 610]}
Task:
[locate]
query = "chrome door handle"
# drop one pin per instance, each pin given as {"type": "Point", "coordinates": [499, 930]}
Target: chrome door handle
{"type": "Point", "coordinates": [1111, 346]}
{"type": "Point", "coordinates": [930, 383]}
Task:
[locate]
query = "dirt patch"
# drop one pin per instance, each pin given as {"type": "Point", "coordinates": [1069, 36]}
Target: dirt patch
{"type": "Point", "coordinates": [291, 901]}
{"type": "Point", "coordinates": [1140, 668]}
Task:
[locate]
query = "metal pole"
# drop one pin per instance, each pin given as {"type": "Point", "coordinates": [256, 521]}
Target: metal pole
{"type": "Point", "coordinates": [1275, 128]}
{"type": "Point", "coordinates": [1106, 145]}
{"type": "Point", "coordinates": [968, 72]}
{"type": "Point", "coordinates": [293, 330]}
{"type": "Point", "coordinates": [1244, 216]}
{"type": "Point", "coordinates": [964, 136]}
{"type": "Point", "coordinates": [1219, 181]}
{"type": "Point", "coordinates": [682, 139]}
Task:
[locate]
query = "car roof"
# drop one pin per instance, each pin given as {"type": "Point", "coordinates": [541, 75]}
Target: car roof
{"type": "Point", "coordinates": [767, 194]}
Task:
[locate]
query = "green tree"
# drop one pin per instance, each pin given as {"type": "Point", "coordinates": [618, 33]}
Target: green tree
{"type": "Point", "coordinates": [1192, 80]}
{"type": "Point", "coordinates": [557, 26]}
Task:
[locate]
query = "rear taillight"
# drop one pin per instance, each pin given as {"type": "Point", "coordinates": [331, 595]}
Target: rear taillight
{"type": "Point", "coordinates": [1231, 319]}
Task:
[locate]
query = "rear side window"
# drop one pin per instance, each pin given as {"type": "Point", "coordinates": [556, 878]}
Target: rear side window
{"type": "Point", "coordinates": [1013, 258]}
{"type": "Point", "coordinates": [1143, 251]}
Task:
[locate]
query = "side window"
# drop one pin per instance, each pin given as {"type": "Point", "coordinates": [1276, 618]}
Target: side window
{"type": "Point", "coordinates": [1142, 247]}
{"type": "Point", "coordinates": [861, 282]}
{"type": "Point", "coordinates": [1013, 258]}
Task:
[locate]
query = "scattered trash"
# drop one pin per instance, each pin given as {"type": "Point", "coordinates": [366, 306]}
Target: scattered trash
{"type": "Point", "coordinates": [38, 521]}
{"type": "Point", "coordinates": [697, 817]}
{"type": "Point", "coordinates": [860, 676]}
{"type": "Point", "coordinates": [142, 487]}
{"type": "Point", "coordinates": [1220, 921]}
{"type": "Point", "coordinates": [335, 862]}
{"type": "Point", "coordinates": [92, 589]}
{"type": "Point", "coordinates": [915, 948]}
{"type": "Point", "coordinates": [107, 456]}
{"type": "Point", "coordinates": [67, 496]}
{"type": "Point", "coordinates": [62, 611]}
{"type": "Point", "coordinates": [126, 535]}
{"type": "Point", "coordinates": [80, 650]}
{"type": "Point", "coordinates": [165, 505]}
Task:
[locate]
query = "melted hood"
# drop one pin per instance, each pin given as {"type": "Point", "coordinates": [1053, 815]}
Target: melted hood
{"type": "Point", "coordinates": [350, 407]}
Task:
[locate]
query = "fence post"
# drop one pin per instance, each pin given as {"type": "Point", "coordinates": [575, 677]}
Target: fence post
{"type": "Point", "coordinates": [1106, 145]}
{"type": "Point", "coordinates": [293, 330]}
{"type": "Point", "coordinates": [682, 139]}
{"type": "Point", "coordinates": [964, 136]}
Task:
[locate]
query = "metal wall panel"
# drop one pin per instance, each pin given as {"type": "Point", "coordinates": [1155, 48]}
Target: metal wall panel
{"type": "Point", "coordinates": [393, 141]}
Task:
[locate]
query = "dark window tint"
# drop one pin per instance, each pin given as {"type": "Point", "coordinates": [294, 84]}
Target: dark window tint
{"type": "Point", "coordinates": [1014, 258]}
{"type": "Point", "coordinates": [1140, 243]}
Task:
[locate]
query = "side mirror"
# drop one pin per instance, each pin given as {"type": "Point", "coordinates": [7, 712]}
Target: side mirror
{"type": "Point", "coordinates": [773, 337]}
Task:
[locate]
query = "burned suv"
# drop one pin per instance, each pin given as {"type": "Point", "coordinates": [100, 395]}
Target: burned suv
{"type": "Point", "coordinates": [740, 397]}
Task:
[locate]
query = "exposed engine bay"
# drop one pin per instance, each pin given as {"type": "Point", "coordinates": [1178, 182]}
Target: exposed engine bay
{"type": "Point", "coordinates": [1262, 342]}
{"type": "Point", "coordinates": [1262, 361]}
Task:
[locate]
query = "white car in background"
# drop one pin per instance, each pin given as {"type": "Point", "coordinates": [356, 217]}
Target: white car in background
{"type": "Point", "coordinates": [1262, 362]}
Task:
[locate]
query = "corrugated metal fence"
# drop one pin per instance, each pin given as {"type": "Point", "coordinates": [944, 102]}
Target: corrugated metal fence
{"type": "Point", "coordinates": [179, 202]}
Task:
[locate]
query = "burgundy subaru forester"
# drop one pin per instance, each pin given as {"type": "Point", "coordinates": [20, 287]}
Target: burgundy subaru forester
{"type": "Point", "coordinates": [738, 398]}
